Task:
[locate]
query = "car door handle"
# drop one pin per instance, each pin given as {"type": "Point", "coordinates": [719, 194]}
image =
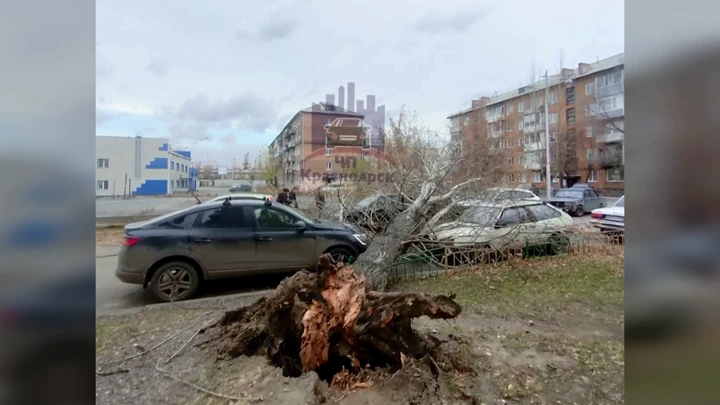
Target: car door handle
{"type": "Point", "coordinates": [202, 240]}
{"type": "Point", "coordinates": [264, 239]}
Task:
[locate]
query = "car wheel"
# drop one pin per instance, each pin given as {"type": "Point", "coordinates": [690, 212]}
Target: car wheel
{"type": "Point", "coordinates": [558, 244]}
{"type": "Point", "coordinates": [175, 281]}
{"type": "Point", "coordinates": [579, 211]}
{"type": "Point", "coordinates": [340, 255]}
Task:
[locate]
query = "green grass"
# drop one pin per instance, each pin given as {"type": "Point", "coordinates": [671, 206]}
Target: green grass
{"type": "Point", "coordinates": [537, 286]}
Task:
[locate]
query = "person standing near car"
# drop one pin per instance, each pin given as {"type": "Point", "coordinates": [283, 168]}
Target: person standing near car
{"type": "Point", "coordinates": [283, 198]}
{"type": "Point", "coordinates": [293, 197]}
{"type": "Point", "coordinates": [319, 199]}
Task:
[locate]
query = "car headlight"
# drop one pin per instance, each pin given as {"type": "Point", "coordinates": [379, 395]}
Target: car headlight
{"type": "Point", "coordinates": [360, 237]}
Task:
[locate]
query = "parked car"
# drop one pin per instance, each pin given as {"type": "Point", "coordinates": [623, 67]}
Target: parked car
{"type": "Point", "coordinates": [577, 200]}
{"type": "Point", "coordinates": [347, 131]}
{"type": "Point", "coordinates": [529, 187]}
{"type": "Point", "coordinates": [174, 254]}
{"type": "Point", "coordinates": [375, 212]}
{"type": "Point", "coordinates": [504, 194]}
{"type": "Point", "coordinates": [507, 224]}
{"type": "Point", "coordinates": [242, 196]}
{"type": "Point", "coordinates": [610, 220]}
{"type": "Point", "coordinates": [242, 188]}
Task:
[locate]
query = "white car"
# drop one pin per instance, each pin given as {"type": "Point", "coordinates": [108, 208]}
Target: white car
{"type": "Point", "coordinates": [610, 219]}
{"type": "Point", "coordinates": [242, 196]}
{"type": "Point", "coordinates": [506, 224]}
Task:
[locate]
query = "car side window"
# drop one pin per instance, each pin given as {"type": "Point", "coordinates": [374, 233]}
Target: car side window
{"type": "Point", "coordinates": [520, 195]}
{"type": "Point", "coordinates": [223, 217]}
{"type": "Point", "coordinates": [268, 218]}
{"type": "Point", "coordinates": [593, 194]}
{"type": "Point", "coordinates": [503, 195]}
{"type": "Point", "coordinates": [181, 222]}
{"type": "Point", "coordinates": [543, 212]}
{"type": "Point", "coordinates": [513, 216]}
{"type": "Point", "coordinates": [587, 194]}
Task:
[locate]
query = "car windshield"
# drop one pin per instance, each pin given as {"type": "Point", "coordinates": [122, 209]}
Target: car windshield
{"type": "Point", "coordinates": [620, 202]}
{"type": "Point", "coordinates": [484, 216]}
{"type": "Point", "coordinates": [569, 194]}
{"type": "Point", "coordinates": [368, 201]}
{"type": "Point", "coordinates": [166, 216]}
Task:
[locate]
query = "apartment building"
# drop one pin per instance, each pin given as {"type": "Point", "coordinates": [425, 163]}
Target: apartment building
{"type": "Point", "coordinates": [301, 152]}
{"type": "Point", "coordinates": [586, 122]}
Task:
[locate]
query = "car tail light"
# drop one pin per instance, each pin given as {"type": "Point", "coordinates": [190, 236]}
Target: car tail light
{"type": "Point", "coordinates": [597, 215]}
{"type": "Point", "coordinates": [130, 240]}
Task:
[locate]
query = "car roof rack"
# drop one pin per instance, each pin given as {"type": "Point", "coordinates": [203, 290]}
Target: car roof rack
{"type": "Point", "coordinates": [227, 201]}
{"type": "Point", "coordinates": [267, 201]}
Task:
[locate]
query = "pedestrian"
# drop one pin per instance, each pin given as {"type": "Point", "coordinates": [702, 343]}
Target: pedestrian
{"type": "Point", "coordinates": [319, 199]}
{"type": "Point", "coordinates": [283, 198]}
{"type": "Point", "coordinates": [293, 197]}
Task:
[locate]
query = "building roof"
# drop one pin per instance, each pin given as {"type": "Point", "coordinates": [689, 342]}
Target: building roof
{"type": "Point", "coordinates": [554, 80]}
{"type": "Point", "coordinates": [325, 108]}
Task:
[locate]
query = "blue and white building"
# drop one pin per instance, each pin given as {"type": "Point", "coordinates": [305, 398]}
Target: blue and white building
{"type": "Point", "coordinates": [141, 166]}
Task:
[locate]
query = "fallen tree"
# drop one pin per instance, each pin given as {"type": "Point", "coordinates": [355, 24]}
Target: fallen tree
{"type": "Point", "coordinates": [329, 321]}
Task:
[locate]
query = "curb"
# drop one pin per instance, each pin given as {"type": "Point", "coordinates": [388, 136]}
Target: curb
{"type": "Point", "coordinates": [250, 296]}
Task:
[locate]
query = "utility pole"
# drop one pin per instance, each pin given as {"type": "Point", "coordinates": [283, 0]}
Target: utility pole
{"type": "Point", "coordinates": [548, 176]}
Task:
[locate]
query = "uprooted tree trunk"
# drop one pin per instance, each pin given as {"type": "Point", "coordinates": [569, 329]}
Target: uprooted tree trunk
{"type": "Point", "coordinates": [330, 320]}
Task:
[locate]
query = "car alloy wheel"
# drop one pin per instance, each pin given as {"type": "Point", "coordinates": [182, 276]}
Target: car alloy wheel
{"type": "Point", "coordinates": [175, 282]}
{"type": "Point", "coordinates": [579, 211]}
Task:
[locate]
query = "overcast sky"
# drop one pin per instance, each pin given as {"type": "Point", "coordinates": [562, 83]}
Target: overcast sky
{"type": "Point", "coordinates": [236, 71]}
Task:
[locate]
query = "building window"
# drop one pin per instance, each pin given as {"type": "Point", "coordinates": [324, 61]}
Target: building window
{"type": "Point", "coordinates": [521, 125]}
{"type": "Point", "coordinates": [466, 121]}
{"type": "Point", "coordinates": [103, 163]}
{"type": "Point", "coordinates": [508, 127]}
{"type": "Point", "coordinates": [615, 175]}
{"type": "Point", "coordinates": [521, 160]}
{"type": "Point", "coordinates": [556, 178]}
{"type": "Point", "coordinates": [592, 176]}
{"type": "Point", "coordinates": [521, 106]}
{"type": "Point", "coordinates": [328, 166]}
{"type": "Point", "coordinates": [590, 109]}
{"type": "Point", "coordinates": [523, 178]}
{"type": "Point", "coordinates": [177, 182]}
{"type": "Point", "coordinates": [172, 184]}
{"type": "Point", "coordinates": [591, 153]}
{"type": "Point", "coordinates": [328, 151]}
{"type": "Point", "coordinates": [553, 118]}
{"type": "Point", "coordinates": [102, 185]}
{"type": "Point", "coordinates": [588, 132]}
{"type": "Point", "coordinates": [511, 160]}
{"type": "Point", "coordinates": [590, 89]}
{"type": "Point", "coordinates": [172, 165]}
{"type": "Point", "coordinates": [553, 98]}
{"type": "Point", "coordinates": [509, 109]}
{"type": "Point", "coordinates": [536, 178]}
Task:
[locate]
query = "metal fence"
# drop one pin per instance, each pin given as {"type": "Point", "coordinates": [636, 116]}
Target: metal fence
{"type": "Point", "coordinates": [431, 258]}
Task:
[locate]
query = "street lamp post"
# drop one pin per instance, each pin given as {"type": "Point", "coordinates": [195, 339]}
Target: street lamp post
{"type": "Point", "coordinates": [548, 175]}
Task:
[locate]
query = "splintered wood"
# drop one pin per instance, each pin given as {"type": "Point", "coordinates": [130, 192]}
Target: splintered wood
{"type": "Point", "coordinates": [328, 321]}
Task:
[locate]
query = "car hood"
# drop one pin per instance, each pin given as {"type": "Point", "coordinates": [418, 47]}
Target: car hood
{"type": "Point", "coordinates": [337, 226]}
{"type": "Point", "coordinates": [454, 230]}
{"type": "Point", "coordinates": [564, 199]}
{"type": "Point", "coordinates": [617, 211]}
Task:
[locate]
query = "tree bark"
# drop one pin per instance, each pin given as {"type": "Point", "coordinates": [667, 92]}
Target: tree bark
{"type": "Point", "coordinates": [329, 321]}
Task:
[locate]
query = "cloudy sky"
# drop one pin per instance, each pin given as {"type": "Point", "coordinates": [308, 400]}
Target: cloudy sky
{"type": "Point", "coordinates": [221, 77]}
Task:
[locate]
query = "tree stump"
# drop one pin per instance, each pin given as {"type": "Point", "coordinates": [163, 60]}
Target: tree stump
{"type": "Point", "coordinates": [329, 321]}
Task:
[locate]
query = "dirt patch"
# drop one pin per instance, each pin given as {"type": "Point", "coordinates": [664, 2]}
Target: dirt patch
{"type": "Point", "coordinates": [109, 235]}
{"type": "Point", "coordinates": [548, 333]}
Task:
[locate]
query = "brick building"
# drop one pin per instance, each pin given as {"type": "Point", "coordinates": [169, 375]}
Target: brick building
{"type": "Point", "coordinates": [586, 117]}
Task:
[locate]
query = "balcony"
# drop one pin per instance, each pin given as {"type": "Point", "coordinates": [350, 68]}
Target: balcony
{"type": "Point", "coordinates": [612, 157]}
{"type": "Point", "coordinates": [532, 165]}
{"type": "Point", "coordinates": [535, 146]}
{"type": "Point", "coordinates": [610, 90]}
{"type": "Point", "coordinates": [493, 117]}
{"type": "Point", "coordinates": [611, 137]}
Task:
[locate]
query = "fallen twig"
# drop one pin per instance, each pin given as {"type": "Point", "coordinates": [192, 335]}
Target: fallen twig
{"type": "Point", "coordinates": [107, 373]}
{"type": "Point", "coordinates": [205, 325]}
{"type": "Point", "coordinates": [144, 352]}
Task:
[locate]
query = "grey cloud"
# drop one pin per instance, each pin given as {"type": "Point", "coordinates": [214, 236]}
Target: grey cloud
{"type": "Point", "coordinates": [457, 22]}
{"type": "Point", "coordinates": [198, 116]}
{"type": "Point", "coordinates": [158, 67]}
{"type": "Point", "coordinates": [243, 35]}
{"type": "Point", "coordinates": [276, 29]}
